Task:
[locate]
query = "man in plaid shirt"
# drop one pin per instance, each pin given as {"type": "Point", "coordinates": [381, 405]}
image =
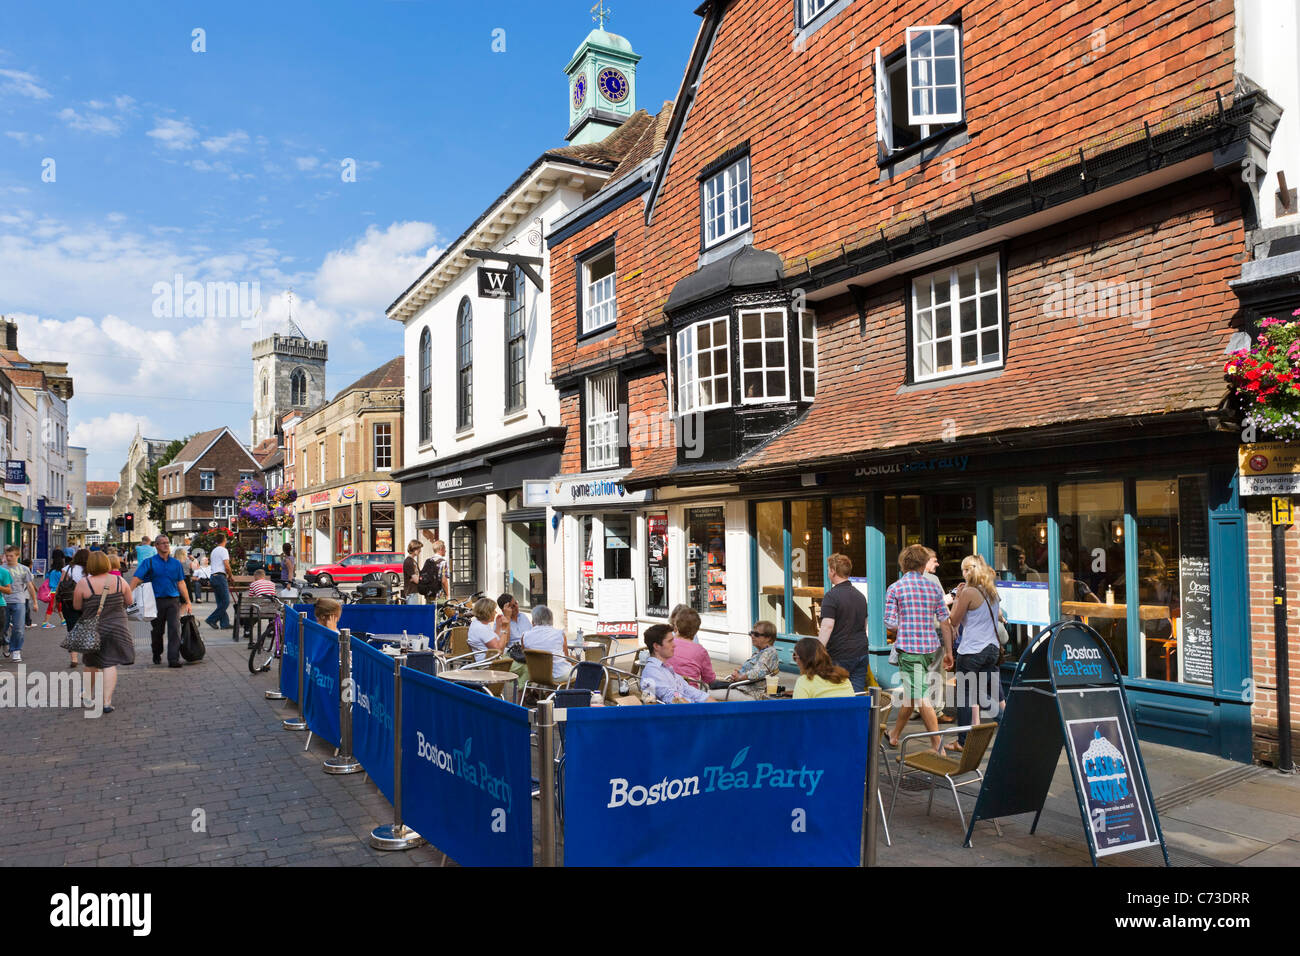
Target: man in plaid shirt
{"type": "Point", "coordinates": [914, 604]}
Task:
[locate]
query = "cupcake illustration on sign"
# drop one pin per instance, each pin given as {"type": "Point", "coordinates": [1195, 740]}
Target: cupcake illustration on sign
{"type": "Point", "coordinates": [1105, 770]}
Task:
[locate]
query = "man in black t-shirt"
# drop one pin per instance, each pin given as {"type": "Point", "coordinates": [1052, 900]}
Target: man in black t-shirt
{"type": "Point", "coordinates": [844, 622]}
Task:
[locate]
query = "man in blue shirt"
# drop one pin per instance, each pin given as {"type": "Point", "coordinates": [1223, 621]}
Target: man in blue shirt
{"type": "Point", "coordinates": [167, 576]}
{"type": "Point", "coordinates": [144, 550]}
{"type": "Point", "coordinates": [660, 682]}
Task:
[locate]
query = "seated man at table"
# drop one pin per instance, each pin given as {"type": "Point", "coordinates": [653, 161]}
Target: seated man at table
{"type": "Point", "coordinates": [544, 636]}
{"type": "Point", "coordinates": [762, 662]}
{"type": "Point", "coordinates": [658, 680]}
{"type": "Point", "coordinates": [328, 612]}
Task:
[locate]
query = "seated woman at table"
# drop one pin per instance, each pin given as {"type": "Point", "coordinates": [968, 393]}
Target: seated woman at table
{"type": "Point", "coordinates": [690, 660]}
{"type": "Point", "coordinates": [660, 682]}
{"type": "Point", "coordinates": [818, 675]}
{"type": "Point", "coordinates": [762, 662]}
{"type": "Point", "coordinates": [483, 637]}
{"type": "Point", "coordinates": [544, 636]}
{"type": "Point", "coordinates": [328, 612]}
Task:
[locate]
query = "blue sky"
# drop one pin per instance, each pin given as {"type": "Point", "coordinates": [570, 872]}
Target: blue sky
{"type": "Point", "coordinates": [227, 165]}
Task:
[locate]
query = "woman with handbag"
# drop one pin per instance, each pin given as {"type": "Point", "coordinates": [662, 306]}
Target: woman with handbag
{"type": "Point", "coordinates": [72, 574]}
{"type": "Point", "coordinates": [976, 612]}
{"type": "Point", "coordinates": [102, 631]}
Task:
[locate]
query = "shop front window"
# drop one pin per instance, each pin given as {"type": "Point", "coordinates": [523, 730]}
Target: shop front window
{"type": "Point", "coordinates": [586, 562]}
{"type": "Point", "coordinates": [706, 560]}
{"type": "Point", "coordinates": [1020, 560]}
{"type": "Point", "coordinates": [1173, 579]}
{"type": "Point", "coordinates": [769, 534]}
{"type": "Point", "coordinates": [807, 565]}
{"type": "Point", "coordinates": [383, 523]}
{"type": "Point", "coordinates": [656, 561]}
{"type": "Point", "coordinates": [618, 547]}
{"type": "Point", "coordinates": [902, 528]}
{"type": "Point", "coordinates": [848, 520]}
{"type": "Point", "coordinates": [1092, 560]}
{"type": "Point", "coordinates": [464, 559]}
{"type": "Point", "coordinates": [526, 562]}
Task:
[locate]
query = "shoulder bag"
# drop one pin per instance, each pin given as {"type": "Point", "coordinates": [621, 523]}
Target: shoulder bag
{"type": "Point", "coordinates": [999, 628]}
{"type": "Point", "coordinates": [84, 638]}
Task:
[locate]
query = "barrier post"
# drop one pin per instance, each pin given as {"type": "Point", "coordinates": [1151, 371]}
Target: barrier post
{"type": "Point", "coordinates": [546, 777]}
{"type": "Point", "coordinates": [396, 835]}
{"type": "Point", "coordinates": [344, 762]}
{"type": "Point", "coordinates": [299, 722]}
{"type": "Point", "coordinates": [870, 817]}
{"type": "Point", "coordinates": [275, 694]}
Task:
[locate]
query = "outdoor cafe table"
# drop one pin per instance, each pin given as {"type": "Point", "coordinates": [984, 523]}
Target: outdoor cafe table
{"type": "Point", "coordinates": [493, 681]}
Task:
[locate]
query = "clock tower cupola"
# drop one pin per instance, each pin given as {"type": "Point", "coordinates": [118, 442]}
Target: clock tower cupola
{"type": "Point", "coordinates": [602, 83]}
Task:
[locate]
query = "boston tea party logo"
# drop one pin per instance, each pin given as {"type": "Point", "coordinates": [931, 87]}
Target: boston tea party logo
{"type": "Point", "coordinates": [716, 778]}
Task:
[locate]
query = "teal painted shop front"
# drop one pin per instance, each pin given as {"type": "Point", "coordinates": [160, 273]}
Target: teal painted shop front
{"type": "Point", "coordinates": [1072, 531]}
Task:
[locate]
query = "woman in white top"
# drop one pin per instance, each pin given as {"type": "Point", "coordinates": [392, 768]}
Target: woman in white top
{"type": "Point", "coordinates": [483, 637]}
{"type": "Point", "coordinates": [975, 611]}
{"type": "Point", "coordinates": [545, 636]}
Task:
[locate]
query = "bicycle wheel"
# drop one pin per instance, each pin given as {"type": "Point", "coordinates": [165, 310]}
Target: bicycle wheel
{"type": "Point", "coordinates": [260, 657]}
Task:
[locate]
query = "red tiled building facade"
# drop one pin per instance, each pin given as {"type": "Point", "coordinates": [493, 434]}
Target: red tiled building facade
{"type": "Point", "coordinates": [987, 313]}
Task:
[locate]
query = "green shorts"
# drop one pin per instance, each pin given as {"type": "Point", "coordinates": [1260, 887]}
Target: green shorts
{"type": "Point", "coordinates": [914, 669]}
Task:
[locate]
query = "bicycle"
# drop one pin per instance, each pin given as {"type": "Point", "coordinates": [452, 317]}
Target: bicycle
{"type": "Point", "coordinates": [262, 654]}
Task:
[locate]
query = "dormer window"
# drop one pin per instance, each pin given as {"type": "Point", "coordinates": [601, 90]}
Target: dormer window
{"type": "Point", "coordinates": [724, 202]}
{"type": "Point", "coordinates": [703, 366]}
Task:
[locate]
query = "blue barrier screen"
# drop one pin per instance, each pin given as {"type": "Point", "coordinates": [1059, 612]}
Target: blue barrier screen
{"type": "Point", "coordinates": [466, 772]}
{"type": "Point", "coordinates": [372, 713]}
{"type": "Point", "coordinates": [289, 665]}
{"type": "Point", "coordinates": [775, 783]}
{"type": "Point", "coordinates": [388, 618]}
{"type": "Point", "coordinates": [321, 700]}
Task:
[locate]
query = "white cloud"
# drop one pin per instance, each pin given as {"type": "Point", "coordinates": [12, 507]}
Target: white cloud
{"type": "Point", "coordinates": [174, 134]}
{"type": "Point", "coordinates": [25, 139]}
{"type": "Point", "coordinates": [109, 435]}
{"type": "Point", "coordinates": [305, 163]}
{"type": "Point", "coordinates": [370, 275]}
{"type": "Point", "coordinates": [22, 84]}
{"type": "Point", "coordinates": [91, 122]}
{"type": "Point", "coordinates": [235, 141]}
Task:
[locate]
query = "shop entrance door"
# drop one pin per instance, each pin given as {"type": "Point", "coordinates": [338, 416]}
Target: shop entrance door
{"type": "Point", "coordinates": [944, 522]}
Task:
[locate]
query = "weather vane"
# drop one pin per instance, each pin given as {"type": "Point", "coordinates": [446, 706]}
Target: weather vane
{"type": "Point", "coordinates": [600, 13]}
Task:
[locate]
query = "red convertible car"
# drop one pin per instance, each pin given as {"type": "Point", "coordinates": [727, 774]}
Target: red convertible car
{"type": "Point", "coordinates": [354, 567]}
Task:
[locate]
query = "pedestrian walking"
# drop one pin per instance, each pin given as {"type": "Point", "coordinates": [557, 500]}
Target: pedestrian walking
{"type": "Point", "coordinates": [104, 594]}
{"type": "Point", "coordinates": [975, 612]}
{"type": "Point", "coordinates": [435, 576]}
{"type": "Point", "coordinates": [50, 586]}
{"type": "Point", "coordinates": [72, 574]}
{"type": "Point", "coordinates": [167, 577]}
{"type": "Point", "coordinates": [914, 604]}
{"type": "Point", "coordinates": [843, 629]}
{"type": "Point", "coordinates": [5, 588]}
{"type": "Point", "coordinates": [20, 599]}
{"type": "Point", "coordinates": [288, 567]}
{"type": "Point", "coordinates": [144, 550]}
{"type": "Point", "coordinates": [219, 578]}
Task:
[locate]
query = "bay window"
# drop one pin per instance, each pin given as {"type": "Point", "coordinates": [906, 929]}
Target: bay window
{"type": "Point", "coordinates": [703, 367]}
{"type": "Point", "coordinates": [763, 361]}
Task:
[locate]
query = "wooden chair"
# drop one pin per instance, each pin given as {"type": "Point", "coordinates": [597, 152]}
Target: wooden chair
{"type": "Point", "coordinates": [957, 771]}
{"type": "Point", "coordinates": [540, 664]}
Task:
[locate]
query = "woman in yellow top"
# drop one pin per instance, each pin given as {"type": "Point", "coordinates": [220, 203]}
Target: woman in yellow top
{"type": "Point", "coordinates": [818, 675]}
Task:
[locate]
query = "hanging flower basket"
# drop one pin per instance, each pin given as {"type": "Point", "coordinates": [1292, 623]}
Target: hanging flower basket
{"type": "Point", "coordinates": [1266, 378]}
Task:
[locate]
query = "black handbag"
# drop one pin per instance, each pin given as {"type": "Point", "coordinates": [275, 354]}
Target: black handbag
{"type": "Point", "coordinates": [192, 647]}
{"type": "Point", "coordinates": [516, 652]}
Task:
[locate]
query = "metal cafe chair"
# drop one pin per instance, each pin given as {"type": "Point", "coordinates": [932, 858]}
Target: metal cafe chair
{"type": "Point", "coordinates": [958, 772]}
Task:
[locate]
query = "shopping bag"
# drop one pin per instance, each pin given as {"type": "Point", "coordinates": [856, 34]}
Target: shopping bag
{"type": "Point", "coordinates": [145, 607]}
{"type": "Point", "coordinates": [192, 646]}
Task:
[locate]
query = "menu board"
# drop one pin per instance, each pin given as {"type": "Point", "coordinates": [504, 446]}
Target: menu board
{"type": "Point", "coordinates": [1111, 782]}
{"type": "Point", "coordinates": [1196, 646]}
{"type": "Point", "coordinates": [657, 564]}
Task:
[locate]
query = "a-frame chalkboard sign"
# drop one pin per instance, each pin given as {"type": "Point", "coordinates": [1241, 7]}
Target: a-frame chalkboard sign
{"type": "Point", "coordinates": [1068, 692]}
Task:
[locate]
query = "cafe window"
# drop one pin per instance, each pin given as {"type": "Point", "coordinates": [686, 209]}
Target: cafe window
{"type": "Point", "coordinates": [383, 525]}
{"type": "Point", "coordinates": [762, 356]}
{"type": "Point", "coordinates": [1173, 579]}
{"type": "Point", "coordinates": [1020, 560]}
{"type": "Point", "coordinates": [1092, 560]}
{"type": "Point", "coordinates": [526, 562]}
{"type": "Point", "coordinates": [848, 523]}
{"type": "Point", "coordinates": [706, 560]}
{"type": "Point", "coordinates": [617, 529]}
{"type": "Point", "coordinates": [957, 319]}
{"type": "Point", "coordinates": [807, 565]}
{"type": "Point", "coordinates": [769, 535]}
{"type": "Point", "coordinates": [790, 583]}
{"type": "Point", "coordinates": [902, 529]}
{"type": "Point", "coordinates": [656, 561]}
{"type": "Point", "coordinates": [586, 562]}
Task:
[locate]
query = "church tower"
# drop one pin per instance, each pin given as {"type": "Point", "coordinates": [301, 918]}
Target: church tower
{"type": "Point", "coordinates": [288, 375]}
{"type": "Point", "coordinates": [602, 84]}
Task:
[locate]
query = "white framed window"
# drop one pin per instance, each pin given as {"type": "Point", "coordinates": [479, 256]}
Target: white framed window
{"type": "Point", "coordinates": [602, 420]}
{"type": "Point", "coordinates": [703, 366]}
{"type": "Point", "coordinates": [599, 304]}
{"type": "Point", "coordinates": [343, 455]}
{"type": "Point", "coordinates": [320, 450]}
{"type": "Point", "coordinates": [763, 359]}
{"type": "Point", "coordinates": [808, 353]}
{"type": "Point", "coordinates": [724, 202]}
{"type": "Point", "coordinates": [957, 319]}
{"type": "Point", "coordinates": [933, 75]}
{"type": "Point", "coordinates": [810, 10]}
{"type": "Point", "coordinates": [207, 481]}
{"type": "Point", "coordinates": [383, 446]}
{"type": "Point", "coordinates": [223, 508]}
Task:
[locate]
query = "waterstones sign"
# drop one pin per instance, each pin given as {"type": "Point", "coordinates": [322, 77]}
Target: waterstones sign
{"type": "Point", "coordinates": [495, 283]}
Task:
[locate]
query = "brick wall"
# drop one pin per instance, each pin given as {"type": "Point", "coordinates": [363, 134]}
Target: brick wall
{"type": "Point", "coordinates": [1264, 713]}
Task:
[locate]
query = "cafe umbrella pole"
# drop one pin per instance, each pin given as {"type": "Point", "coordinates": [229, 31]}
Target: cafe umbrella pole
{"type": "Point", "coordinates": [344, 761]}
{"type": "Point", "coordinates": [396, 835]}
{"type": "Point", "coordinates": [299, 722]}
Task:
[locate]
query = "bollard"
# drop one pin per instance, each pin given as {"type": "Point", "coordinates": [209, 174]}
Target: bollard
{"type": "Point", "coordinates": [275, 694]}
{"type": "Point", "coordinates": [300, 721]}
{"type": "Point", "coordinates": [396, 835]}
{"type": "Point", "coordinates": [869, 809]}
{"type": "Point", "coordinates": [343, 761]}
{"type": "Point", "coordinates": [546, 777]}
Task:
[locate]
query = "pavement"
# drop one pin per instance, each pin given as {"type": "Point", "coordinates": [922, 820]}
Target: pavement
{"type": "Point", "coordinates": [193, 769]}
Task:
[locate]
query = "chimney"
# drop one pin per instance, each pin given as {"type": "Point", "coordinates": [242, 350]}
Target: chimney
{"type": "Point", "coordinates": [11, 335]}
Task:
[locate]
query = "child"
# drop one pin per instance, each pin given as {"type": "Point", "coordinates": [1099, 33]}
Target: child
{"type": "Point", "coordinates": [762, 662]}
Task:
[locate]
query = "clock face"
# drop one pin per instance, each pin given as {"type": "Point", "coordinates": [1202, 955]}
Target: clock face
{"type": "Point", "coordinates": [613, 84]}
{"type": "Point", "coordinates": [579, 92]}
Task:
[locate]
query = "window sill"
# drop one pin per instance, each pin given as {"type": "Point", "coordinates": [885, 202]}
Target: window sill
{"type": "Point", "coordinates": [914, 156]}
{"type": "Point", "coordinates": [965, 378]}
{"type": "Point", "coordinates": [510, 417]}
{"type": "Point", "coordinates": [805, 32]}
{"type": "Point", "coordinates": [597, 335]}
{"type": "Point", "coordinates": [720, 250]}
{"type": "Point", "coordinates": [464, 434]}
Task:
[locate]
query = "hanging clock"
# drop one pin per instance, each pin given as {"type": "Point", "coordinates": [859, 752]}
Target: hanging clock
{"type": "Point", "coordinates": [613, 84]}
{"type": "Point", "coordinates": [579, 92]}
